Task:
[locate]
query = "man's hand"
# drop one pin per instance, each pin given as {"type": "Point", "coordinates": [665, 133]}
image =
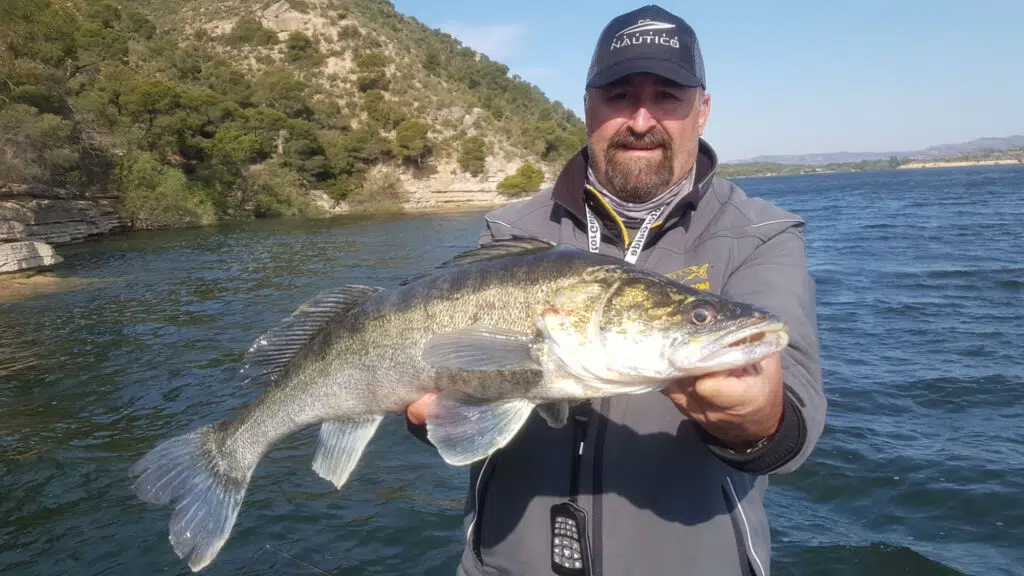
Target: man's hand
{"type": "Point", "coordinates": [417, 411]}
{"type": "Point", "coordinates": [739, 407]}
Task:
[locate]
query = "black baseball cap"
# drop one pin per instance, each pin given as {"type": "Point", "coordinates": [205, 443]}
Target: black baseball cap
{"type": "Point", "coordinates": [649, 39]}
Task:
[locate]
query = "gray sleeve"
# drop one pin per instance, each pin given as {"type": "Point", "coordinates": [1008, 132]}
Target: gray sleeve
{"type": "Point", "coordinates": [775, 277]}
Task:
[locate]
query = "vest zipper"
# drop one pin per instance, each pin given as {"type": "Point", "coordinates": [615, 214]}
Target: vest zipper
{"type": "Point", "coordinates": [746, 527]}
{"type": "Point", "coordinates": [598, 489]}
{"type": "Point", "coordinates": [474, 546]}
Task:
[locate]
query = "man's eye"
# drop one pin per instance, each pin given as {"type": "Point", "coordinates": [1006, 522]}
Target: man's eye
{"type": "Point", "coordinates": [669, 96]}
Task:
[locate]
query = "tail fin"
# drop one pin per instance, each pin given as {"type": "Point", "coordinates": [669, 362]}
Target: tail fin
{"type": "Point", "coordinates": [184, 470]}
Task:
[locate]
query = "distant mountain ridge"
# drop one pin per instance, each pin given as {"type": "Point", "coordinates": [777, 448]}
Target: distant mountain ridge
{"type": "Point", "coordinates": [992, 144]}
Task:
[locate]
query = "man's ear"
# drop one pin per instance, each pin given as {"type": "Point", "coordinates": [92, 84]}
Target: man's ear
{"type": "Point", "coordinates": [704, 111]}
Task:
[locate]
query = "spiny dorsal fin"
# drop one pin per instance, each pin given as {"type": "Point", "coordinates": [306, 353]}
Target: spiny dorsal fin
{"type": "Point", "coordinates": [498, 248]}
{"type": "Point", "coordinates": [273, 350]}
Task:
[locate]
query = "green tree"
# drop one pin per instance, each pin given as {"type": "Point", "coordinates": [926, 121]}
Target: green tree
{"type": "Point", "coordinates": [37, 147]}
{"type": "Point", "coordinates": [156, 196]}
{"type": "Point", "coordinates": [278, 88]}
{"type": "Point", "coordinates": [432, 62]}
{"type": "Point", "coordinates": [527, 178]}
{"type": "Point", "coordinates": [300, 48]}
{"type": "Point", "coordinates": [371, 62]}
{"type": "Point", "coordinates": [248, 30]}
{"type": "Point", "coordinates": [274, 190]}
{"type": "Point", "coordinates": [384, 113]}
{"type": "Point", "coordinates": [473, 155]}
{"type": "Point", "coordinates": [412, 141]}
{"type": "Point", "coordinates": [373, 75]}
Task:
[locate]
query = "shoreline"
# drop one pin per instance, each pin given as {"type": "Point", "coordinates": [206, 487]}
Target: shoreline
{"type": "Point", "coordinates": [24, 285]}
{"type": "Point", "coordinates": [957, 163]}
{"type": "Point", "coordinates": [438, 209]}
{"type": "Point", "coordinates": [917, 165]}
{"type": "Point", "coordinates": [20, 286]}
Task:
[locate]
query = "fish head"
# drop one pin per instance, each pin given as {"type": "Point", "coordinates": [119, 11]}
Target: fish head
{"type": "Point", "coordinates": [630, 327]}
{"type": "Point", "coordinates": [717, 334]}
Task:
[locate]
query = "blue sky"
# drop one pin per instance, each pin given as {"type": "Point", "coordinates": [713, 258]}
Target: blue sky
{"type": "Point", "coordinates": [790, 77]}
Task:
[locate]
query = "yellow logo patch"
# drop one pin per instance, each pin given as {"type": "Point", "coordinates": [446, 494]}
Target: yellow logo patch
{"type": "Point", "coordinates": [698, 274]}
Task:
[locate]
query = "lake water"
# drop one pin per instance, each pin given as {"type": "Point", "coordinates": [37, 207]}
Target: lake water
{"type": "Point", "coordinates": [920, 471]}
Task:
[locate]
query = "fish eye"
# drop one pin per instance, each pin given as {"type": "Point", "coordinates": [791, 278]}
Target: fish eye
{"type": "Point", "coordinates": [702, 315]}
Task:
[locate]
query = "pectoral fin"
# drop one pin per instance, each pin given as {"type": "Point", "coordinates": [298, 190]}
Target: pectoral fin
{"type": "Point", "coordinates": [480, 349]}
{"type": "Point", "coordinates": [465, 432]}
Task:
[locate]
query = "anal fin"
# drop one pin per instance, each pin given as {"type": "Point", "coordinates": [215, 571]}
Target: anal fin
{"type": "Point", "coordinates": [340, 446]}
{"type": "Point", "coordinates": [465, 432]}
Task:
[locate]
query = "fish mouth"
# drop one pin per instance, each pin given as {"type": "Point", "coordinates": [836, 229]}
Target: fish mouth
{"type": "Point", "coordinates": [733, 349]}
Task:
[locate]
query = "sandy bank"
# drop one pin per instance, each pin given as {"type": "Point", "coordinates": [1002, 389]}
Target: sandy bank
{"type": "Point", "coordinates": [15, 287]}
{"type": "Point", "coordinates": [958, 163]}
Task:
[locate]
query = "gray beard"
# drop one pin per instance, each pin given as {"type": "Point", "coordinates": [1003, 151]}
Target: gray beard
{"type": "Point", "coordinates": [638, 182]}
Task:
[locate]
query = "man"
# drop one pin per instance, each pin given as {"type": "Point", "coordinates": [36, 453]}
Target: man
{"type": "Point", "coordinates": [673, 482]}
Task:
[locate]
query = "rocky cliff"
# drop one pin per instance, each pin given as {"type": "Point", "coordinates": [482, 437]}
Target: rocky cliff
{"type": "Point", "coordinates": [34, 219]}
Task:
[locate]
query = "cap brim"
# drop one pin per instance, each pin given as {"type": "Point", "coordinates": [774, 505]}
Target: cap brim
{"type": "Point", "coordinates": [663, 68]}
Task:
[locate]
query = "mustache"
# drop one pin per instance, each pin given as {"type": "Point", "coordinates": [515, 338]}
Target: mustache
{"type": "Point", "coordinates": [629, 139]}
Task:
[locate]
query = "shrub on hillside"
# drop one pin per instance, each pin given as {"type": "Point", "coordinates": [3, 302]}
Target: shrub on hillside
{"type": "Point", "coordinates": [248, 30]}
{"type": "Point", "coordinates": [36, 147]}
{"type": "Point", "coordinates": [302, 50]}
{"type": "Point", "coordinates": [373, 75]}
{"type": "Point", "coordinates": [380, 190]}
{"type": "Point", "coordinates": [527, 178]}
{"type": "Point", "coordinates": [473, 155]}
{"type": "Point", "coordinates": [386, 114]}
{"type": "Point", "coordinates": [274, 190]}
{"type": "Point", "coordinates": [412, 143]}
{"type": "Point", "coordinates": [158, 196]}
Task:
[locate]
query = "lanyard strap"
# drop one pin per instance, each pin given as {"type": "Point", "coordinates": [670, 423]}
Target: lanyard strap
{"type": "Point", "coordinates": [633, 252]}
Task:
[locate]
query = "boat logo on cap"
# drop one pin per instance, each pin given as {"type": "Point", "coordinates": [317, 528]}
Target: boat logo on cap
{"type": "Point", "coordinates": [632, 35]}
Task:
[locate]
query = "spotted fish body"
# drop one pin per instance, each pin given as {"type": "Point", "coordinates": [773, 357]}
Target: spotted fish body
{"type": "Point", "coordinates": [499, 331]}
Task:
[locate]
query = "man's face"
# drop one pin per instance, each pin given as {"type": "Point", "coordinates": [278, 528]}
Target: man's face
{"type": "Point", "coordinates": [643, 131]}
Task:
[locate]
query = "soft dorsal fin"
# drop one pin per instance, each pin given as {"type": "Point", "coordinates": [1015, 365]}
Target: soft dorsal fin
{"type": "Point", "coordinates": [498, 248]}
{"type": "Point", "coordinates": [272, 351]}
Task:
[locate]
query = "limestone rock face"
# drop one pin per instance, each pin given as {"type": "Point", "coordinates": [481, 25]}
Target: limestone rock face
{"type": "Point", "coordinates": [55, 221]}
{"type": "Point", "coordinates": [34, 217]}
{"type": "Point", "coordinates": [21, 256]}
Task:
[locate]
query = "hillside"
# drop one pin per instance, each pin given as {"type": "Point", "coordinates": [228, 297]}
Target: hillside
{"type": "Point", "coordinates": [941, 151]}
{"type": "Point", "coordinates": [196, 111]}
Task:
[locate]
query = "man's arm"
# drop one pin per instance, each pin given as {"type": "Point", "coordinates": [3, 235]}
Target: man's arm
{"type": "Point", "coordinates": [775, 277]}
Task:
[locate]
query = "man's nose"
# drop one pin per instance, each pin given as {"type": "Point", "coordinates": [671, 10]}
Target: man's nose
{"type": "Point", "coordinates": [641, 121]}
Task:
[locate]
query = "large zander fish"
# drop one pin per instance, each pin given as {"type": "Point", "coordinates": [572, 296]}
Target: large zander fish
{"type": "Point", "coordinates": [498, 331]}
